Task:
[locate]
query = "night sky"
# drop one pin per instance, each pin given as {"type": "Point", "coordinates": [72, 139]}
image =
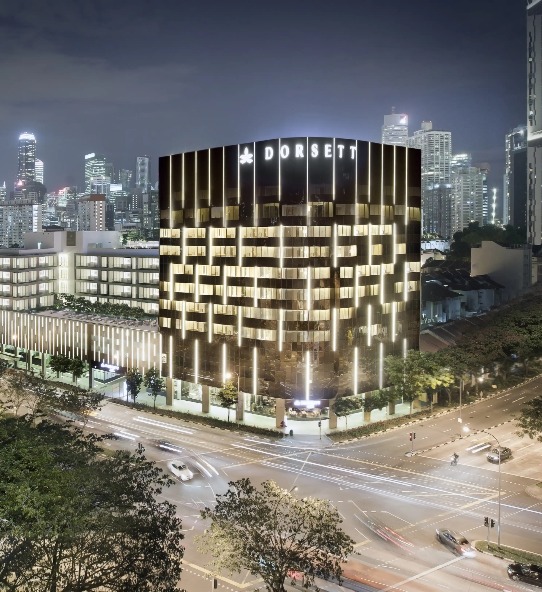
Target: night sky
{"type": "Point", "coordinates": [127, 78]}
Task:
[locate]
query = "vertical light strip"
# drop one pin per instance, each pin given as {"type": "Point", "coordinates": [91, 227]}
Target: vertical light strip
{"type": "Point", "coordinates": [309, 299]}
{"type": "Point", "coordinates": [238, 174]}
{"type": "Point", "coordinates": [255, 295]}
{"type": "Point", "coordinates": [183, 245]}
{"type": "Point", "coordinates": [196, 216]}
{"type": "Point", "coordinates": [281, 247]}
{"type": "Point", "coordinates": [170, 285]}
{"type": "Point", "coordinates": [183, 319]}
{"type": "Point", "coordinates": [382, 196]}
{"type": "Point", "coordinates": [356, 364]}
{"type": "Point", "coordinates": [393, 320]}
{"type": "Point", "coordinates": [254, 204]}
{"type": "Point", "coordinates": [405, 347]}
{"type": "Point", "coordinates": [307, 376]}
{"type": "Point", "coordinates": [196, 361]}
{"type": "Point", "coordinates": [406, 186]}
{"type": "Point", "coordinates": [240, 247]}
{"type": "Point", "coordinates": [239, 325]}
{"type": "Point", "coordinates": [210, 322]}
{"type": "Point", "coordinates": [170, 355]}
{"type": "Point", "coordinates": [182, 181]}
{"type": "Point", "coordinates": [170, 191]}
{"type": "Point", "coordinates": [369, 172]}
{"type": "Point", "coordinates": [334, 329]}
{"type": "Point", "coordinates": [405, 283]}
{"type": "Point", "coordinates": [333, 181]}
{"type": "Point", "coordinates": [281, 329]}
{"type": "Point", "coordinates": [280, 186]}
{"type": "Point", "coordinates": [394, 170]}
{"type": "Point", "coordinates": [335, 245]}
{"type": "Point", "coordinates": [224, 369]}
{"type": "Point", "coordinates": [224, 220]}
{"type": "Point", "coordinates": [255, 371]}
{"type": "Point", "coordinates": [381, 366]}
{"type": "Point", "coordinates": [369, 325]}
{"type": "Point", "coordinates": [356, 286]}
{"type": "Point", "coordinates": [196, 285]}
{"type": "Point", "coordinates": [210, 254]}
{"type": "Point", "coordinates": [224, 286]}
{"type": "Point", "coordinates": [307, 184]}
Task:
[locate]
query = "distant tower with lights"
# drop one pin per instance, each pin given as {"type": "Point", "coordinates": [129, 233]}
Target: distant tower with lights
{"type": "Point", "coordinates": [26, 158]}
{"type": "Point", "coordinates": [95, 173]}
{"type": "Point", "coordinates": [395, 129]}
{"type": "Point", "coordinates": [39, 171]}
{"type": "Point", "coordinates": [143, 173]}
{"type": "Point", "coordinates": [436, 147]}
{"type": "Point", "coordinates": [534, 122]}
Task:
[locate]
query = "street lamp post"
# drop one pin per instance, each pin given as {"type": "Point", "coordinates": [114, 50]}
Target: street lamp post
{"type": "Point", "coordinates": [466, 429]}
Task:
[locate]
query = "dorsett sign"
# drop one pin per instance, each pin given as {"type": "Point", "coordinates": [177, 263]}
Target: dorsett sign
{"type": "Point", "coordinates": [298, 150]}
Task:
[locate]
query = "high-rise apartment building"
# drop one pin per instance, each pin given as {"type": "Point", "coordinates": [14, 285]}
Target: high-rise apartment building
{"type": "Point", "coordinates": [18, 217]}
{"type": "Point", "coordinates": [125, 178]}
{"type": "Point", "coordinates": [534, 121]}
{"type": "Point", "coordinates": [436, 148]}
{"type": "Point", "coordinates": [91, 213]}
{"type": "Point", "coordinates": [395, 129]}
{"type": "Point", "coordinates": [95, 173]}
{"type": "Point", "coordinates": [39, 171]}
{"type": "Point", "coordinates": [515, 177]}
{"type": "Point", "coordinates": [26, 158]}
{"type": "Point", "coordinates": [143, 173]}
{"type": "Point", "coordinates": [467, 193]}
{"type": "Point", "coordinates": [288, 263]}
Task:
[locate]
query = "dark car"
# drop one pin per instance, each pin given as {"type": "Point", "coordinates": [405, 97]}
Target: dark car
{"type": "Point", "coordinates": [531, 574]}
{"type": "Point", "coordinates": [493, 454]}
{"type": "Point", "coordinates": [455, 541]}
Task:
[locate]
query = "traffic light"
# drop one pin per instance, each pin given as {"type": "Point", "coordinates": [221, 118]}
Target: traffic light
{"type": "Point", "coordinates": [215, 584]}
{"type": "Point", "coordinates": [486, 521]}
{"type": "Point", "coordinates": [492, 523]}
{"type": "Point", "coordinates": [412, 436]}
{"type": "Point", "coordinates": [319, 424]}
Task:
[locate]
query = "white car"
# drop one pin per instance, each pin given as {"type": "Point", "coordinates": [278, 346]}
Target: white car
{"type": "Point", "coordinates": [180, 470]}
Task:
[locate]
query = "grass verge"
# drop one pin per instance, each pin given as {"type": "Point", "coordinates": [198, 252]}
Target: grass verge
{"type": "Point", "coordinates": [509, 553]}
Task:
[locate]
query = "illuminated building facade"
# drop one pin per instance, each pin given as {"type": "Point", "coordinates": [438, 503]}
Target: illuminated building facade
{"type": "Point", "coordinates": [289, 265]}
{"type": "Point", "coordinates": [26, 156]}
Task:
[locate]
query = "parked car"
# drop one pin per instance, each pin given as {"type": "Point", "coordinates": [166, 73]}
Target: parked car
{"type": "Point", "coordinates": [493, 454]}
{"type": "Point", "coordinates": [180, 470]}
{"type": "Point", "coordinates": [531, 574]}
{"type": "Point", "coordinates": [455, 541]}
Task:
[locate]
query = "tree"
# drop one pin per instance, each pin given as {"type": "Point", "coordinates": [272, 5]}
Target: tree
{"type": "Point", "coordinates": [272, 533]}
{"type": "Point", "coordinates": [530, 419]}
{"type": "Point", "coordinates": [373, 402]}
{"type": "Point", "coordinates": [73, 519]}
{"type": "Point", "coordinates": [154, 383]}
{"type": "Point", "coordinates": [343, 406]}
{"type": "Point", "coordinates": [227, 396]}
{"type": "Point", "coordinates": [134, 378]}
{"type": "Point", "coordinates": [59, 363]}
{"type": "Point", "coordinates": [77, 368]}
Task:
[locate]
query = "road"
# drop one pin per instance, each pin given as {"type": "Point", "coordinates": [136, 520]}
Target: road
{"type": "Point", "coordinates": [373, 481]}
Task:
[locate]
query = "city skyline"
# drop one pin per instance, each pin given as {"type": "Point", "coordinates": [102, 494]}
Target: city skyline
{"type": "Point", "coordinates": [217, 74]}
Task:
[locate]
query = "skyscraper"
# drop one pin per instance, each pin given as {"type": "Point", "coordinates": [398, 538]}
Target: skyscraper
{"type": "Point", "coordinates": [467, 193]}
{"type": "Point", "coordinates": [26, 158]}
{"type": "Point", "coordinates": [95, 172]}
{"type": "Point", "coordinates": [39, 171]}
{"type": "Point", "coordinates": [395, 129]}
{"type": "Point", "coordinates": [515, 177]}
{"type": "Point", "coordinates": [143, 173]}
{"type": "Point", "coordinates": [436, 147]}
{"type": "Point", "coordinates": [534, 121]}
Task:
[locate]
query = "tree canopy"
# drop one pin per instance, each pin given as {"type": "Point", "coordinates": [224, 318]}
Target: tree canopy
{"type": "Point", "coordinates": [227, 396]}
{"type": "Point", "coordinates": [474, 234]}
{"type": "Point", "coordinates": [72, 519]}
{"type": "Point", "coordinates": [134, 379]}
{"type": "Point", "coordinates": [530, 420]}
{"type": "Point", "coordinates": [272, 534]}
{"type": "Point", "coordinates": [154, 383]}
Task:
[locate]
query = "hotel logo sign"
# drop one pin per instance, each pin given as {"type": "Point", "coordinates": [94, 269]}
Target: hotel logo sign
{"type": "Point", "coordinates": [313, 150]}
